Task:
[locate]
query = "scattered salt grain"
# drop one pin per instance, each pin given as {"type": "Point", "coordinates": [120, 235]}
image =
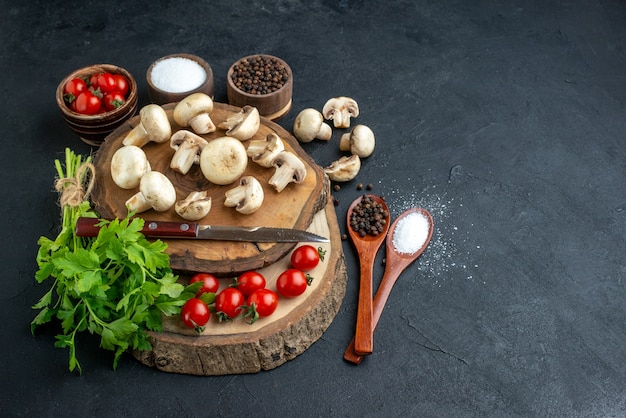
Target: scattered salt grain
{"type": "Point", "coordinates": [177, 75]}
{"type": "Point", "coordinates": [411, 233]}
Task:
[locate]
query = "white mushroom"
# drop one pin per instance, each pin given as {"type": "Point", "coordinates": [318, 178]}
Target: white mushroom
{"type": "Point", "coordinates": [289, 168]}
{"type": "Point", "coordinates": [263, 151]}
{"type": "Point", "coordinates": [223, 160]}
{"type": "Point", "coordinates": [188, 147]}
{"type": "Point", "coordinates": [344, 169]}
{"type": "Point", "coordinates": [195, 206]}
{"type": "Point", "coordinates": [310, 125]}
{"type": "Point", "coordinates": [155, 192]}
{"type": "Point", "coordinates": [247, 197]}
{"type": "Point", "coordinates": [340, 109]}
{"type": "Point", "coordinates": [360, 141]}
{"type": "Point", "coordinates": [128, 165]}
{"type": "Point", "coordinates": [193, 111]}
{"type": "Point", "coordinates": [154, 126]}
{"type": "Point", "coordinates": [242, 125]}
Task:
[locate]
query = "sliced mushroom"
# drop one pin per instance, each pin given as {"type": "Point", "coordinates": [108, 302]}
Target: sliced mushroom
{"type": "Point", "coordinates": [154, 126]}
{"type": "Point", "coordinates": [195, 206]}
{"type": "Point", "coordinates": [340, 109]}
{"type": "Point", "coordinates": [247, 197]}
{"type": "Point", "coordinates": [242, 125]}
{"type": "Point", "coordinates": [188, 147]}
{"type": "Point", "coordinates": [310, 125]}
{"type": "Point", "coordinates": [359, 141]}
{"type": "Point", "coordinates": [289, 168]}
{"type": "Point", "coordinates": [223, 160]}
{"type": "Point", "coordinates": [344, 169]}
{"type": "Point", "coordinates": [193, 111]}
{"type": "Point", "coordinates": [156, 192]}
{"type": "Point", "coordinates": [128, 165]}
{"type": "Point", "coordinates": [263, 151]}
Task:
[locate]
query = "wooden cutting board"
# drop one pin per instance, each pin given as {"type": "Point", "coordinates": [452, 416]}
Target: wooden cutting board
{"type": "Point", "coordinates": [294, 207]}
{"type": "Point", "coordinates": [237, 347]}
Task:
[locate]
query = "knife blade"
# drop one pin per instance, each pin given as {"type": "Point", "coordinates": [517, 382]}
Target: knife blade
{"type": "Point", "coordinates": [87, 227]}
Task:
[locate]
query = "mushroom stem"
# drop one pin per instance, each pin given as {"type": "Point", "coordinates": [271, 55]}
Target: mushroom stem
{"type": "Point", "coordinates": [188, 147]}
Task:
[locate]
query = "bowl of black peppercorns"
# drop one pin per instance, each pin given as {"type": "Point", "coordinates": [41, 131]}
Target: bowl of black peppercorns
{"type": "Point", "coordinates": [262, 81]}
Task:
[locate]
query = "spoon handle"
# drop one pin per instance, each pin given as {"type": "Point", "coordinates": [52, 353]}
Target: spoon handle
{"type": "Point", "coordinates": [363, 337]}
{"type": "Point", "coordinates": [386, 284]}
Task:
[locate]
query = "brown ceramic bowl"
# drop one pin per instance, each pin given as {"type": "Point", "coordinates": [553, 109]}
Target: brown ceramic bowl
{"type": "Point", "coordinates": [93, 129]}
{"type": "Point", "coordinates": [272, 105]}
{"type": "Point", "coordinates": [156, 89]}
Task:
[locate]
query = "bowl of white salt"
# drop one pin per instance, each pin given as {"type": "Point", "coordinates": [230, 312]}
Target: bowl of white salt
{"type": "Point", "coordinates": [173, 77]}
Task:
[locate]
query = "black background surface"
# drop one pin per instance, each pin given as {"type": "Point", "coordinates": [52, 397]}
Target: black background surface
{"type": "Point", "coordinates": [505, 119]}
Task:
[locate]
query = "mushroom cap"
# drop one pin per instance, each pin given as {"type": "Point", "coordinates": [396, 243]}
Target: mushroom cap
{"type": "Point", "coordinates": [157, 190]}
{"type": "Point", "coordinates": [195, 206]}
{"type": "Point", "coordinates": [156, 123]}
{"type": "Point", "coordinates": [192, 106]}
{"type": "Point", "coordinates": [247, 197]}
{"type": "Point", "coordinates": [244, 124]}
{"type": "Point", "coordinates": [344, 169]}
{"type": "Point", "coordinates": [307, 124]}
{"type": "Point", "coordinates": [223, 160]}
{"type": "Point", "coordinates": [360, 141]}
{"type": "Point", "coordinates": [340, 109]}
{"type": "Point", "coordinates": [128, 165]}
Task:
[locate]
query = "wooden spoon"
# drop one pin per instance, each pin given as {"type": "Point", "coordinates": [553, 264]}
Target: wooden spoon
{"type": "Point", "coordinates": [395, 264]}
{"type": "Point", "coordinates": [367, 247]}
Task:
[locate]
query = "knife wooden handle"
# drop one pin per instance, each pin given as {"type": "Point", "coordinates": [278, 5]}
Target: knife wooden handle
{"type": "Point", "coordinates": [86, 227]}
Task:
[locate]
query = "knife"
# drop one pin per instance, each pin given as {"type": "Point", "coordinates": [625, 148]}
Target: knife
{"type": "Point", "coordinates": [86, 227]}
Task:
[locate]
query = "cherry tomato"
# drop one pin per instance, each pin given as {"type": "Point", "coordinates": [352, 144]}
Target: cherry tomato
{"type": "Point", "coordinates": [121, 84]}
{"type": "Point", "coordinates": [195, 314]}
{"type": "Point", "coordinates": [291, 283]}
{"type": "Point", "coordinates": [250, 281]}
{"type": "Point", "coordinates": [306, 257]}
{"type": "Point", "coordinates": [113, 100]}
{"type": "Point", "coordinates": [93, 80]}
{"type": "Point", "coordinates": [87, 103]}
{"type": "Point", "coordinates": [105, 82]}
{"type": "Point", "coordinates": [229, 303]}
{"type": "Point", "coordinates": [73, 88]}
{"type": "Point", "coordinates": [262, 303]}
{"type": "Point", "coordinates": [210, 283]}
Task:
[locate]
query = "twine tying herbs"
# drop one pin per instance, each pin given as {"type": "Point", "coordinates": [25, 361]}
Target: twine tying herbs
{"type": "Point", "coordinates": [71, 188]}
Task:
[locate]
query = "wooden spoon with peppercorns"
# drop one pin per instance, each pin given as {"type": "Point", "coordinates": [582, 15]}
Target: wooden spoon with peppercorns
{"type": "Point", "coordinates": [408, 237]}
{"type": "Point", "coordinates": [368, 223]}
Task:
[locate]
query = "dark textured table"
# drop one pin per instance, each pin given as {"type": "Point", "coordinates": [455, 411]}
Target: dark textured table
{"type": "Point", "coordinates": [505, 119]}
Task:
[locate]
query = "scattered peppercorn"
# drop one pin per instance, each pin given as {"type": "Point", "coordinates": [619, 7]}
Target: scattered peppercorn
{"type": "Point", "coordinates": [344, 236]}
{"type": "Point", "coordinates": [259, 75]}
{"type": "Point", "coordinates": [335, 201]}
{"type": "Point", "coordinates": [370, 186]}
{"type": "Point", "coordinates": [337, 187]}
{"type": "Point", "coordinates": [368, 217]}
{"type": "Point", "coordinates": [359, 186]}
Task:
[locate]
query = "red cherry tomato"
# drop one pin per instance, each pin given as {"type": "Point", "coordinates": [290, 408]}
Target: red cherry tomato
{"type": "Point", "coordinates": [210, 283]}
{"type": "Point", "coordinates": [121, 84]}
{"type": "Point", "coordinates": [263, 301]}
{"type": "Point", "coordinates": [195, 314]}
{"type": "Point", "coordinates": [73, 88]}
{"type": "Point", "coordinates": [291, 283]}
{"type": "Point", "coordinates": [113, 100]}
{"type": "Point", "coordinates": [250, 281]}
{"type": "Point", "coordinates": [229, 302]}
{"type": "Point", "coordinates": [93, 80]}
{"type": "Point", "coordinates": [87, 103]}
{"type": "Point", "coordinates": [306, 257]}
{"type": "Point", "coordinates": [105, 82]}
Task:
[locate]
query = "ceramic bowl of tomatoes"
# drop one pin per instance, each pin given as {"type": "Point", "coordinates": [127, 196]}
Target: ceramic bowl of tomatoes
{"type": "Point", "coordinates": [96, 100]}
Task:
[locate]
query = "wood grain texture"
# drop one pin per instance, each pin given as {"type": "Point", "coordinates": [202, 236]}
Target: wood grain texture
{"type": "Point", "coordinates": [294, 207]}
{"type": "Point", "coordinates": [237, 347]}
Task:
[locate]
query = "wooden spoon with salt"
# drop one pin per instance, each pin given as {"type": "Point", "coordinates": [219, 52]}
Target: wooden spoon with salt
{"type": "Point", "coordinates": [367, 247]}
{"type": "Point", "coordinates": [397, 261]}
